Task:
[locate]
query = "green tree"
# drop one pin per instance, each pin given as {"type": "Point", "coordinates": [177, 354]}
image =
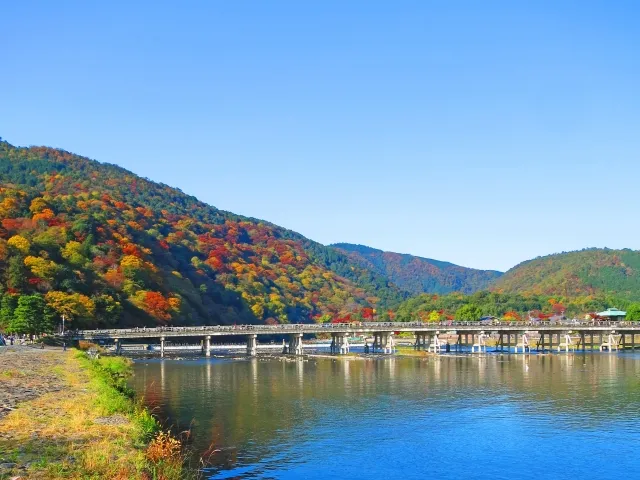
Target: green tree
{"type": "Point", "coordinates": [8, 305]}
{"type": "Point", "coordinates": [108, 310]}
{"type": "Point", "coordinates": [16, 272]}
{"type": "Point", "coordinates": [29, 315]}
{"type": "Point", "coordinates": [633, 312]}
{"type": "Point", "coordinates": [469, 312]}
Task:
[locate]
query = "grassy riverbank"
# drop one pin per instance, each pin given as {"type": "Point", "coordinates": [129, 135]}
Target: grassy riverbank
{"type": "Point", "coordinates": [78, 420]}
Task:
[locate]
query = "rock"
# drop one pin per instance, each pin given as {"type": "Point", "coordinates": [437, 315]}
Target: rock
{"type": "Point", "coordinates": [7, 466]}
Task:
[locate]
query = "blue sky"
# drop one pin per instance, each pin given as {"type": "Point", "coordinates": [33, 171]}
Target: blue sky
{"type": "Point", "coordinates": [481, 133]}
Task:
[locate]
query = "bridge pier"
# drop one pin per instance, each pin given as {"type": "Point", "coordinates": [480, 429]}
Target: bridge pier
{"type": "Point", "coordinates": [524, 344]}
{"type": "Point", "coordinates": [421, 341]}
{"type": "Point", "coordinates": [480, 344]}
{"type": "Point", "coordinates": [339, 343]}
{"type": "Point", "coordinates": [295, 344]}
{"type": "Point", "coordinates": [435, 345]}
{"type": "Point", "coordinates": [207, 346]}
{"type": "Point", "coordinates": [252, 345]}
{"type": "Point", "coordinates": [162, 346]}
{"type": "Point", "coordinates": [377, 342]}
{"type": "Point", "coordinates": [387, 342]}
{"type": "Point", "coordinates": [118, 346]}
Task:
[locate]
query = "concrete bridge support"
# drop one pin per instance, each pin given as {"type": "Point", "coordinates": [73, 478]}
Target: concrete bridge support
{"type": "Point", "coordinates": [566, 343]}
{"type": "Point", "coordinates": [295, 344]}
{"type": "Point", "coordinates": [118, 346]}
{"type": "Point", "coordinates": [383, 341]}
{"type": "Point", "coordinates": [421, 341]}
{"type": "Point", "coordinates": [252, 345]}
{"type": "Point", "coordinates": [162, 346]}
{"type": "Point", "coordinates": [377, 342]}
{"type": "Point", "coordinates": [524, 344]}
{"type": "Point", "coordinates": [435, 345]}
{"type": "Point", "coordinates": [207, 346]}
{"type": "Point", "coordinates": [388, 343]}
{"type": "Point", "coordinates": [480, 346]}
{"type": "Point", "coordinates": [339, 343]}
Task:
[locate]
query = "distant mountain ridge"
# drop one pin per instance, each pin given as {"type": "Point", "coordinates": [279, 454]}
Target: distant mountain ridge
{"type": "Point", "coordinates": [418, 275]}
{"type": "Point", "coordinates": [580, 273]}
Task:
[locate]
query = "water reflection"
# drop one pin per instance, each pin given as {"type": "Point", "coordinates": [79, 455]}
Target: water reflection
{"type": "Point", "coordinates": [264, 418]}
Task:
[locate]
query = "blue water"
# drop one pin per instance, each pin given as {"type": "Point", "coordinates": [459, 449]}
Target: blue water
{"type": "Point", "coordinates": [488, 417]}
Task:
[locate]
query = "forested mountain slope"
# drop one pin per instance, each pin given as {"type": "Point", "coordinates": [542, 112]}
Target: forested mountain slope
{"type": "Point", "coordinates": [105, 247]}
{"type": "Point", "coordinates": [586, 272]}
{"type": "Point", "coordinates": [419, 275]}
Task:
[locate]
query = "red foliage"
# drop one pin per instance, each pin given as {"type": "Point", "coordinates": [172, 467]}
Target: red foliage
{"type": "Point", "coordinates": [157, 305]}
{"type": "Point", "coordinates": [131, 249]}
{"type": "Point", "coordinates": [367, 313]}
{"type": "Point", "coordinates": [344, 319]}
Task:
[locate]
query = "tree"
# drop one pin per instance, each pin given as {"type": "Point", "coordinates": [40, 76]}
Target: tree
{"type": "Point", "coordinates": [108, 310]}
{"type": "Point", "coordinates": [29, 315]}
{"type": "Point", "coordinates": [41, 268]}
{"type": "Point", "coordinates": [19, 243]}
{"type": "Point", "coordinates": [469, 312]}
{"type": "Point", "coordinates": [71, 305]}
{"type": "Point", "coordinates": [8, 305]}
{"type": "Point", "coordinates": [633, 312]}
{"type": "Point", "coordinates": [16, 273]}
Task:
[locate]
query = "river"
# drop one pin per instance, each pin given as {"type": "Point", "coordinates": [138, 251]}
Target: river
{"type": "Point", "coordinates": [485, 417]}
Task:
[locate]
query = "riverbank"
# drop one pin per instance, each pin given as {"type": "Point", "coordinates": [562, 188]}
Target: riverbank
{"type": "Point", "coordinates": [63, 415]}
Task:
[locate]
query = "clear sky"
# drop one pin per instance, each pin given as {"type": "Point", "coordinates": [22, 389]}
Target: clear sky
{"type": "Point", "coordinates": [483, 133]}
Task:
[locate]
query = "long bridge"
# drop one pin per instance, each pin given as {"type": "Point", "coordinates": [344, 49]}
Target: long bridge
{"type": "Point", "coordinates": [569, 335]}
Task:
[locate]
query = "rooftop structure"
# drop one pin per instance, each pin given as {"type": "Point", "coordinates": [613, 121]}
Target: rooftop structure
{"type": "Point", "coordinates": [613, 314]}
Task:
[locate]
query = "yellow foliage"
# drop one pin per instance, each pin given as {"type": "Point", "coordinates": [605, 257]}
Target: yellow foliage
{"type": "Point", "coordinates": [71, 248]}
{"type": "Point", "coordinates": [8, 206]}
{"type": "Point", "coordinates": [72, 252]}
{"type": "Point", "coordinates": [70, 304]}
{"type": "Point", "coordinates": [19, 243]}
{"type": "Point", "coordinates": [40, 267]}
{"type": "Point", "coordinates": [131, 262]}
{"type": "Point", "coordinates": [37, 205]}
{"type": "Point", "coordinates": [174, 303]}
{"type": "Point", "coordinates": [258, 310]}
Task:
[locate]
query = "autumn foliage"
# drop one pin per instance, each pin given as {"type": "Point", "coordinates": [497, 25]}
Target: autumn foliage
{"type": "Point", "coordinates": [104, 247]}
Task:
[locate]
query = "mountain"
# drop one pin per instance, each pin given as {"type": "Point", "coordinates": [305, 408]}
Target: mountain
{"type": "Point", "coordinates": [419, 275]}
{"type": "Point", "coordinates": [104, 246]}
{"type": "Point", "coordinates": [587, 272]}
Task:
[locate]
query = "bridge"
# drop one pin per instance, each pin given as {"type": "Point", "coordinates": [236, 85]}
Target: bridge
{"type": "Point", "coordinates": [432, 337]}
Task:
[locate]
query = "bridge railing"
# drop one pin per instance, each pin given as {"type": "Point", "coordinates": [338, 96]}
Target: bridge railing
{"type": "Point", "coordinates": [328, 327]}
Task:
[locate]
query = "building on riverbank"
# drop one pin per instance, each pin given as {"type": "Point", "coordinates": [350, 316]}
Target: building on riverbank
{"type": "Point", "coordinates": [613, 314]}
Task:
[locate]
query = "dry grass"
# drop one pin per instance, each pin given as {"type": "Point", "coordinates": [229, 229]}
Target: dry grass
{"type": "Point", "coordinates": [56, 435]}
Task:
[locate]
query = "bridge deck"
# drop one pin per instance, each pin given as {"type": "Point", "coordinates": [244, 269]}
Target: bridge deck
{"type": "Point", "coordinates": [355, 329]}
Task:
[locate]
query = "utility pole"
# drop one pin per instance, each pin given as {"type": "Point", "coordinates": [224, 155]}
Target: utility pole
{"type": "Point", "coordinates": [63, 324]}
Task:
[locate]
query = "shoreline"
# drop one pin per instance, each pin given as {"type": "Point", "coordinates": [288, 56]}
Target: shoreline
{"type": "Point", "coordinates": [64, 415]}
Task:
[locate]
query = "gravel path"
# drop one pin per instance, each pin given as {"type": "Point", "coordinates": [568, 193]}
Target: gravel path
{"type": "Point", "coordinates": [27, 373]}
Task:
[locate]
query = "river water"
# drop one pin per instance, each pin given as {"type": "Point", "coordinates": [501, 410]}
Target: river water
{"type": "Point", "coordinates": [485, 417]}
